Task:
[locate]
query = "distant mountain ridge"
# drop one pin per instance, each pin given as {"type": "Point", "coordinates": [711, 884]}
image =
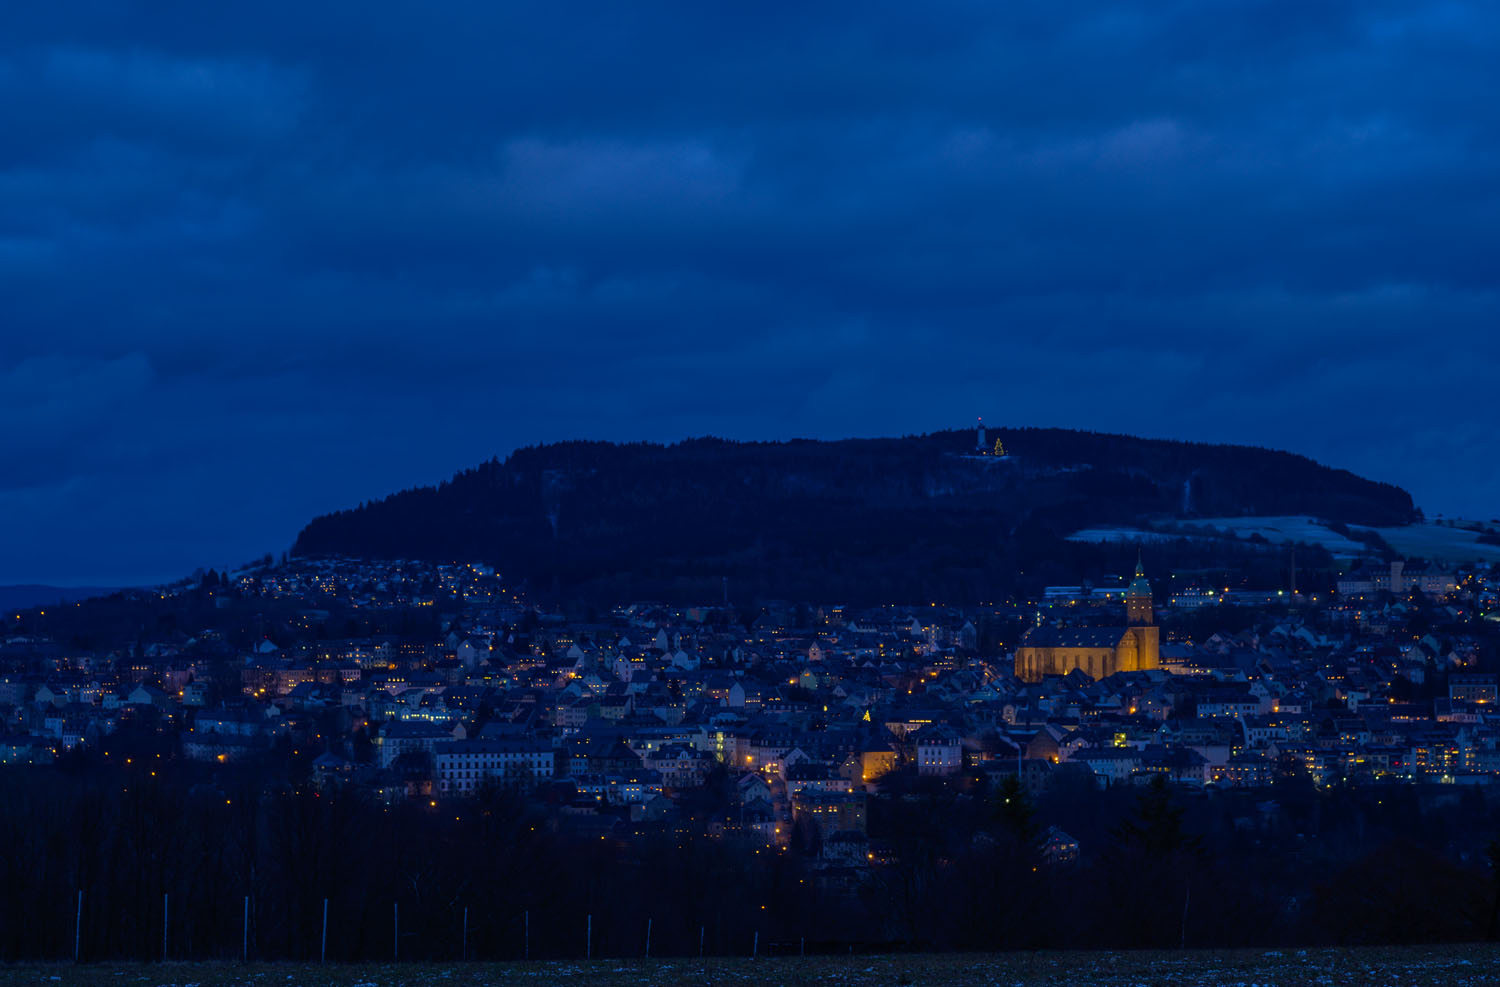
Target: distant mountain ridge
{"type": "Point", "coordinates": [903, 518]}
{"type": "Point", "coordinates": [19, 597]}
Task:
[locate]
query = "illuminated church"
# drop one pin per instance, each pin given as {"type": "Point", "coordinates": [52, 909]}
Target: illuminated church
{"type": "Point", "coordinates": [1096, 651]}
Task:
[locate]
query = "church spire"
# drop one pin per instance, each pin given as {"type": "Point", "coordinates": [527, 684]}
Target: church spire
{"type": "Point", "coordinates": [1138, 608]}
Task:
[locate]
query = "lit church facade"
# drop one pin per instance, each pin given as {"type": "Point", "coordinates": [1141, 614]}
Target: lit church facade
{"type": "Point", "coordinates": [1096, 651]}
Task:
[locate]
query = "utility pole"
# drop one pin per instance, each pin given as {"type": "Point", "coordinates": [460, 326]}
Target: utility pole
{"type": "Point", "coordinates": [1186, 898]}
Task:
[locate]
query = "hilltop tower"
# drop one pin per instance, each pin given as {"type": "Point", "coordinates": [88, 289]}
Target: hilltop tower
{"type": "Point", "coordinates": [979, 444]}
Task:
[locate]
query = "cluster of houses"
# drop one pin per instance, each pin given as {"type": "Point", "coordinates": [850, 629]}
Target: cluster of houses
{"type": "Point", "coordinates": [779, 728]}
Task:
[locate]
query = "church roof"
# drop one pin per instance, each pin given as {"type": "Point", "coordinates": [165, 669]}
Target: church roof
{"type": "Point", "coordinates": [1073, 637]}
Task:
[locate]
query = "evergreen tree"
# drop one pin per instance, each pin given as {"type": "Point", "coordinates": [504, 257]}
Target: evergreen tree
{"type": "Point", "coordinates": [1155, 830]}
{"type": "Point", "coordinates": [1013, 810]}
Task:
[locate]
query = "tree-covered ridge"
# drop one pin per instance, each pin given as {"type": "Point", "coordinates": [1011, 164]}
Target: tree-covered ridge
{"type": "Point", "coordinates": [905, 518]}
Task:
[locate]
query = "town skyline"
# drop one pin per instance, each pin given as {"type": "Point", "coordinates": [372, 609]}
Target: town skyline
{"type": "Point", "coordinates": [1250, 750]}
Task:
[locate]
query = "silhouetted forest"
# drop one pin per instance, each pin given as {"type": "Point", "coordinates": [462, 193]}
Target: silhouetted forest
{"type": "Point", "coordinates": [863, 521]}
{"type": "Point", "coordinates": [962, 867]}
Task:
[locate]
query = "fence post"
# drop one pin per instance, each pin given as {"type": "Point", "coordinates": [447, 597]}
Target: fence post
{"type": "Point", "coordinates": [78, 929]}
{"type": "Point", "coordinates": [648, 938]}
{"type": "Point", "coordinates": [755, 949]}
{"type": "Point", "coordinates": [395, 930]}
{"type": "Point", "coordinates": [526, 934]}
{"type": "Point", "coordinates": [323, 949]}
{"type": "Point", "coordinates": [588, 945]}
{"type": "Point", "coordinates": [166, 917]}
{"type": "Point", "coordinates": [464, 951]}
{"type": "Point", "coordinates": [245, 934]}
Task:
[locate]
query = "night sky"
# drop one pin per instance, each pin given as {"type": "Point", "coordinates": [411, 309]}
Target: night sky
{"type": "Point", "coordinates": [264, 262]}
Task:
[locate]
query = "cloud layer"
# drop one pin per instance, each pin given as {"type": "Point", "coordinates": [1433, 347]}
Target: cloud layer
{"type": "Point", "coordinates": [257, 264]}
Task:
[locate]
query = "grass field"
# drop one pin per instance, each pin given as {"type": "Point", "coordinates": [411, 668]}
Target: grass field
{"type": "Point", "coordinates": [1438, 966]}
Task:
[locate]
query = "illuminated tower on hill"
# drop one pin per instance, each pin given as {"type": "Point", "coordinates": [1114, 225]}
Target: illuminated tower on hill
{"type": "Point", "coordinates": [979, 445]}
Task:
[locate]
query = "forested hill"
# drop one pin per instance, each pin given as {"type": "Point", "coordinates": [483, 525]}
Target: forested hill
{"type": "Point", "coordinates": [907, 519]}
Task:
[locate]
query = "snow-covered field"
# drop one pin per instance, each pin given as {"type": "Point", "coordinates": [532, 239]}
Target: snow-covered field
{"type": "Point", "coordinates": [1279, 530]}
{"type": "Point", "coordinates": [1434, 542]}
{"type": "Point", "coordinates": [1426, 966]}
{"type": "Point", "coordinates": [1282, 531]}
{"type": "Point", "coordinates": [1121, 534]}
{"type": "Point", "coordinates": [1439, 543]}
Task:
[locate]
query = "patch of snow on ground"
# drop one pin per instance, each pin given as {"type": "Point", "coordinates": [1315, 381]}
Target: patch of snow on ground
{"type": "Point", "coordinates": [1121, 534]}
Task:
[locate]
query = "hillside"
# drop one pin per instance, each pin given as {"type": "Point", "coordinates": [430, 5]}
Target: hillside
{"type": "Point", "coordinates": [906, 519]}
{"type": "Point", "coordinates": [31, 595]}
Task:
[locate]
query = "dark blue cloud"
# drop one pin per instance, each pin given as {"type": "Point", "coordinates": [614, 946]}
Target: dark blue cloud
{"type": "Point", "coordinates": [261, 263]}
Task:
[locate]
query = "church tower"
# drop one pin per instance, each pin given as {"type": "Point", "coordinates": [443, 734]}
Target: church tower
{"type": "Point", "coordinates": [1141, 623]}
{"type": "Point", "coordinates": [1138, 609]}
{"type": "Point", "coordinates": [1096, 651]}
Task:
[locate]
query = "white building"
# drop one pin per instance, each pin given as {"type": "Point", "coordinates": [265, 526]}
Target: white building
{"type": "Point", "coordinates": [461, 767]}
{"type": "Point", "coordinates": [938, 751]}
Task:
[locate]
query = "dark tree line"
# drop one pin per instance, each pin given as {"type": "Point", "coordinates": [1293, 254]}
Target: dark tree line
{"type": "Point", "coordinates": [129, 839]}
{"type": "Point", "coordinates": [961, 866]}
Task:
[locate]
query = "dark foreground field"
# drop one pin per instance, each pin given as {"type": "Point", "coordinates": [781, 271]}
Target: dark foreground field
{"type": "Point", "coordinates": [1440, 966]}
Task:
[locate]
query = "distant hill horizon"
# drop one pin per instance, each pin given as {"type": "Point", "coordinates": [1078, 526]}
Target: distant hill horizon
{"type": "Point", "coordinates": [921, 517]}
{"type": "Point", "coordinates": [22, 596]}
